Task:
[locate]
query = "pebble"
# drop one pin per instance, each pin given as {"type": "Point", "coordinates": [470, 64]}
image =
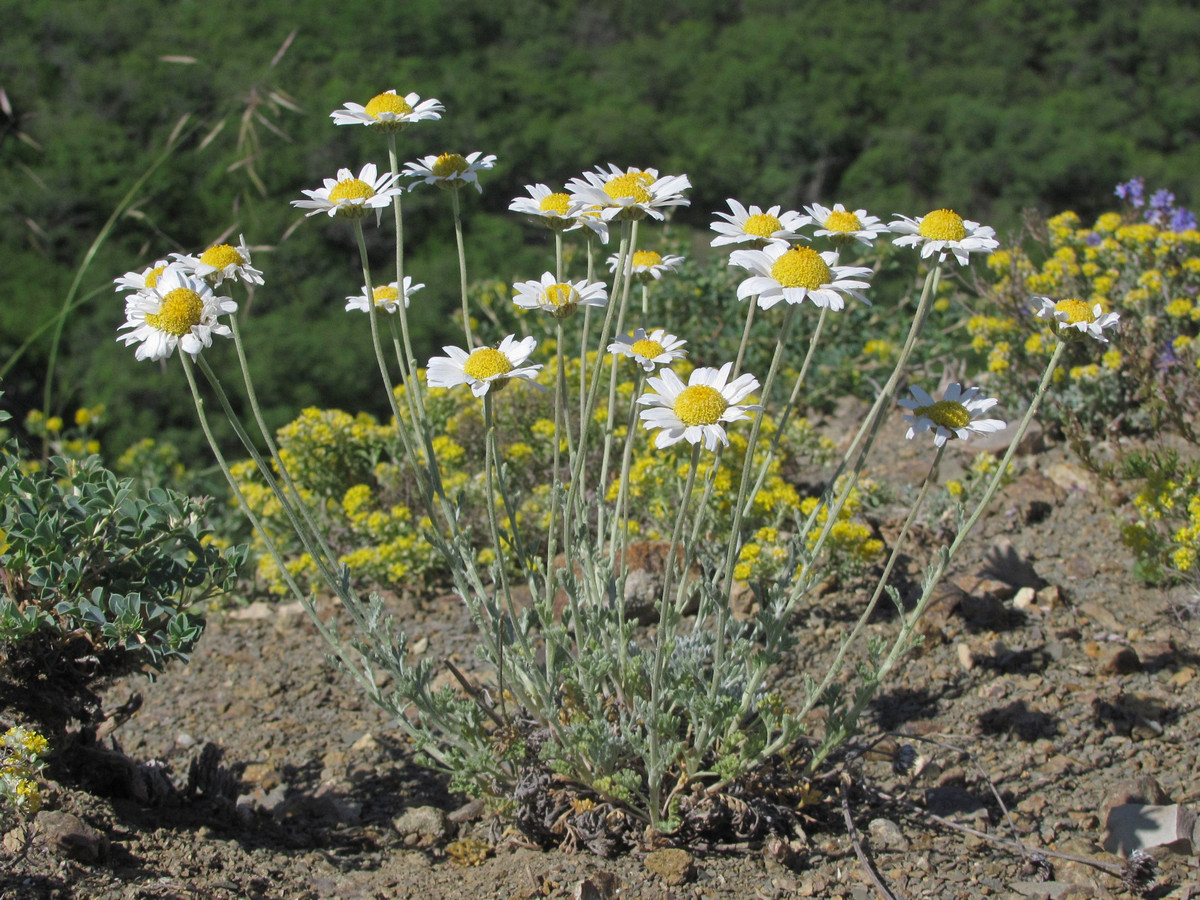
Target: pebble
{"type": "Point", "coordinates": [674, 866]}
{"type": "Point", "coordinates": [1120, 661]}
{"type": "Point", "coordinates": [424, 825]}
{"type": "Point", "coordinates": [68, 836]}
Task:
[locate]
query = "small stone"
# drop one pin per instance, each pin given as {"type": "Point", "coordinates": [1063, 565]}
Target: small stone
{"type": "Point", "coordinates": [1100, 616]}
{"type": "Point", "coordinates": [966, 658]}
{"type": "Point", "coordinates": [69, 836]}
{"type": "Point", "coordinates": [1183, 677]}
{"type": "Point", "coordinates": [887, 833]}
{"type": "Point", "coordinates": [427, 824]}
{"type": "Point", "coordinates": [366, 744]}
{"type": "Point", "coordinates": [674, 866]}
{"type": "Point", "coordinates": [184, 740]}
{"type": "Point", "coordinates": [1120, 661]}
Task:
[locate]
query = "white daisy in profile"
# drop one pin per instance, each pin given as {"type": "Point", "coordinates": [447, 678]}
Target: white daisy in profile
{"type": "Point", "coordinates": [450, 170]}
{"type": "Point", "coordinates": [697, 412]}
{"type": "Point", "coordinates": [140, 281]}
{"type": "Point", "coordinates": [796, 273]}
{"type": "Point", "coordinates": [386, 297]}
{"type": "Point", "coordinates": [624, 194]}
{"type": "Point", "coordinates": [757, 228]}
{"type": "Point", "coordinates": [223, 262]}
{"type": "Point", "coordinates": [658, 348]}
{"type": "Point", "coordinates": [647, 265]}
{"type": "Point", "coordinates": [559, 298]}
{"type": "Point", "coordinates": [843, 226]}
{"type": "Point", "coordinates": [483, 367]}
{"type": "Point", "coordinates": [349, 197]}
{"type": "Point", "coordinates": [943, 231]}
{"type": "Point", "coordinates": [179, 310]}
{"type": "Point", "coordinates": [555, 210]}
{"type": "Point", "coordinates": [388, 112]}
{"type": "Point", "coordinates": [954, 416]}
{"type": "Point", "coordinates": [1076, 319]}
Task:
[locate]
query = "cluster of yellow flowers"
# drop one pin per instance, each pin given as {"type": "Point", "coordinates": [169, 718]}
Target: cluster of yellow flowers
{"type": "Point", "coordinates": [72, 441]}
{"type": "Point", "coordinates": [21, 752]}
{"type": "Point", "coordinates": [1168, 530]}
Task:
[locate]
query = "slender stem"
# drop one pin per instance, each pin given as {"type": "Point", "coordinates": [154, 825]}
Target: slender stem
{"type": "Point", "coordinates": [745, 342]}
{"type": "Point", "coordinates": [462, 266]}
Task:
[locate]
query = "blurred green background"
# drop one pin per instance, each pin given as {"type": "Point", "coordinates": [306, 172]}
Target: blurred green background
{"type": "Point", "coordinates": [987, 107]}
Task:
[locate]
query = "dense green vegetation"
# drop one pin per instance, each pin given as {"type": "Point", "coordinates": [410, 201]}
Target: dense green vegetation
{"type": "Point", "coordinates": [896, 105]}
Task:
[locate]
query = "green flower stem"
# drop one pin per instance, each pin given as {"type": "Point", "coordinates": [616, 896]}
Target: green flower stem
{"type": "Point", "coordinates": [788, 409]}
{"type": "Point", "coordinates": [863, 439]}
{"type": "Point", "coordinates": [741, 352]}
{"type": "Point", "coordinates": [560, 426]}
{"type": "Point", "coordinates": [489, 488]}
{"type": "Point", "coordinates": [297, 516]}
{"type": "Point", "coordinates": [655, 765]}
{"type": "Point", "coordinates": [558, 255]}
{"type": "Point", "coordinates": [462, 266]}
{"type": "Point", "coordinates": [252, 395]}
{"type": "Point", "coordinates": [904, 639]}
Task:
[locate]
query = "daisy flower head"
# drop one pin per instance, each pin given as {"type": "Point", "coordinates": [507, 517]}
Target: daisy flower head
{"type": "Point", "coordinates": [954, 416]}
{"type": "Point", "coordinates": [223, 262]}
{"type": "Point", "coordinates": [944, 231]}
{"type": "Point", "coordinates": [796, 273]}
{"type": "Point", "coordinates": [140, 281]}
{"type": "Point", "coordinates": [484, 367]}
{"type": "Point", "coordinates": [629, 194]}
{"type": "Point", "coordinates": [555, 210]}
{"type": "Point", "coordinates": [388, 112]}
{"type": "Point", "coordinates": [757, 228]}
{"type": "Point", "coordinates": [649, 350]}
{"type": "Point", "coordinates": [698, 411]}
{"type": "Point", "coordinates": [179, 310]}
{"type": "Point", "coordinates": [1077, 319]}
{"type": "Point", "coordinates": [844, 227]}
{"type": "Point", "coordinates": [349, 197]}
{"type": "Point", "coordinates": [386, 297]}
{"type": "Point", "coordinates": [560, 299]}
{"type": "Point", "coordinates": [647, 265]}
{"type": "Point", "coordinates": [449, 171]}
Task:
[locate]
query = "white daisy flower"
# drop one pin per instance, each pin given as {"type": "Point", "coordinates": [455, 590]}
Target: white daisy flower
{"type": "Point", "coordinates": [386, 297]}
{"type": "Point", "coordinates": [844, 226]}
{"type": "Point", "coordinates": [757, 228]}
{"type": "Point", "coordinates": [179, 310]}
{"type": "Point", "coordinates": [140, 281]}
{"type": "Point", "coordinates": [351, 197]}
{"type": "Point", "coordinates": [696, 413]}
{"type": "Point", "coordinates": [942, 231]}
{"type": "Point", "coordinates": [1075, 314]}
{"type": "Point", "coordinates": [793, 274]}
{"type": "Point", "coordinates": [483, 367]}
{"type": "Point", "coordinates": [954, 416]}
{"type": "Point", "coordinates": [450, 170]}
{"type": "Point", "coordinates": [649, 350]}
{"type": "Point", "coordinates": [560, 299]}
{"type": "Point", "coordinates": [388, 112]}
{"type": "Point", "coordinates": [557, 211]}
{"type": "Point", "coordinates": [222, 262]}
{"type": "Point", "coordinates": [629, 194]}
{"type": "Point", "coordinates": [646, 265]}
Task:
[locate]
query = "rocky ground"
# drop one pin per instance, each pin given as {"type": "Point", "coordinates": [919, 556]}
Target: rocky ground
{"type": "Point", "coordinates": [1051, 686]}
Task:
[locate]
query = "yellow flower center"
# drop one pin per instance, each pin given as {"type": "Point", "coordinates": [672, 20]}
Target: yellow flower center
{"type": "Point", "coordinates": [385, 295]}
{"type": "Point", "coordinates": [152, 276]}
{"type": "Point", "coordinates": [762, 225]}
{"type": "Point", "coordinates": [646, 258]}
{"type": "Point", "coordinates": [485, 363]}
{"type": "Point", "coordinates": [563, 296]}
{"type": "Point", "coordinates": [449, 165]}
{"type": "Point", "coordinates": [647, 348]}
{"type": "Point", "coordinates": [946, 413]}
{"type": "Point", "coordinates": [631, 185]}
{"type": "Point", "coordinates": [220, 256]}
{"type": "Point", "coordinates": [943, 225]}
{"type": "Point", "coordinates": [180, 312]}
{"type": "Point", "coordinates": [801, 267]}
{"type": "Point", "coordinates": [387, 103]}
{"type": "Point", "coordinates": [1077, 311]}
{"type": "Point", "coordinates": [555, 203]}
{"type": "Point", "coordinates": [351, 189]}
{"type": "Point", "coordinates": [699, 405]}
{"type": "Point", "coordinates": [844, 220]}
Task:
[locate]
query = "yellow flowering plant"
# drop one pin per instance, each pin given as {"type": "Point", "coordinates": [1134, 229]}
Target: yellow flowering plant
{"type": "Point", "coordinates": [532, 466]}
